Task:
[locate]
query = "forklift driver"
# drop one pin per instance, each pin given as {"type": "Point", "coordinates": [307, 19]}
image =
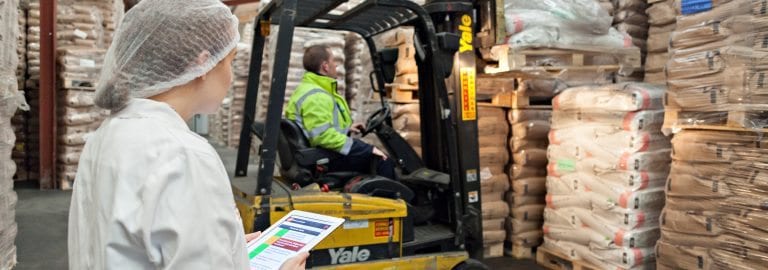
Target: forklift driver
{"type": "Point", "coordinates": [323, 115]}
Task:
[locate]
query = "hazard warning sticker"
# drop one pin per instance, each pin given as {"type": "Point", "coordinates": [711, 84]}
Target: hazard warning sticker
{"type": "Point", "coordinates": [472, 175]}
{"type": "Point", "coordinates": [468, 97]}
{"type": "Point", "coordinates": [473, 197]}
{"type": "Point", "coordinates": [381, 228]}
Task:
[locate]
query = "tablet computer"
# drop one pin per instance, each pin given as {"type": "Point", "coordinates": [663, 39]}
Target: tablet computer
{"type": "Point", "coordinates": [296, 232]}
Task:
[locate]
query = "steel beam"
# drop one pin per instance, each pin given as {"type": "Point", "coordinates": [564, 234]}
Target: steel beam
{"type": "Point", "coordinates": [47, 95]}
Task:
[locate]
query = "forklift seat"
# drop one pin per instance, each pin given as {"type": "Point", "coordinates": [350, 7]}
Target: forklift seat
{"type": "Point", "coordinates": [299, 163]}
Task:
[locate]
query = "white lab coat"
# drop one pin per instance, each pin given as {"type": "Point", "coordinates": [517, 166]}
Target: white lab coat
{"type": "Point", "coordinates": [151, 194]}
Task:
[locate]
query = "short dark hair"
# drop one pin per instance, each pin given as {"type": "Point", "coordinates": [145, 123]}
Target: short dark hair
{"type": "Point", "coordinates": [314, 57]}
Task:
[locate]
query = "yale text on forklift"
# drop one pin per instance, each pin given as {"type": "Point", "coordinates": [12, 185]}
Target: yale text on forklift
{"type": "Point", "coordinates": [466, 33]}
{"type": "Point", "coordinates": [349, 256]}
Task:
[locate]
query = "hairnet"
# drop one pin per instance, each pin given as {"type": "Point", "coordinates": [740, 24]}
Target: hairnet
{"type": "Point", "coordinates": [162, 44]}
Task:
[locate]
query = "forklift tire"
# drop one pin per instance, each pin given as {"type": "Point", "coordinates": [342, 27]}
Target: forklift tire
{"type": "Point", "coordinates": [471, 264]}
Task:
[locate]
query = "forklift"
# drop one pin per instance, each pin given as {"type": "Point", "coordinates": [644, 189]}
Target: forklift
{"type": "Point", "coordinates": [430, 217]}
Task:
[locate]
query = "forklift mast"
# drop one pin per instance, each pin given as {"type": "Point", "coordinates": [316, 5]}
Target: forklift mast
{"type": "Point", "coordinates": [456, 16]}
{"type": "Point", "coordinates": [446, 64]}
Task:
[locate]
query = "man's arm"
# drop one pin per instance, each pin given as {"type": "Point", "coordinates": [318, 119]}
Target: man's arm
{"type": "Point", "coordinates": [317, 118]}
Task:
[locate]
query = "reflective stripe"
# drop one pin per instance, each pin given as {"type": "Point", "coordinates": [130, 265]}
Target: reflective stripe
{"type": "Point", "coordinates": [318, 130]}
{"type": "Point", "coordinates": [299, 119]}
{"type": "Point", "coordinates": [336, 123]}
{"type": "Point", "coordinates": [347, 146]}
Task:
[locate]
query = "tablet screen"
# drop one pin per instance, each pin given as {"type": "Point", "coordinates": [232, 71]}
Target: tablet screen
{"type": "Point", "coordinates": [296, 232]}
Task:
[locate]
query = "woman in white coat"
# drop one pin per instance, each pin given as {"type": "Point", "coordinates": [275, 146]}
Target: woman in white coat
{"type": "Point", "coordinates": [150, 193]}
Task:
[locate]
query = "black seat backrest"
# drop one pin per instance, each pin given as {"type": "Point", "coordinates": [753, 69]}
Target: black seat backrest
{"type": "Point", "coordinates": [291, 140]}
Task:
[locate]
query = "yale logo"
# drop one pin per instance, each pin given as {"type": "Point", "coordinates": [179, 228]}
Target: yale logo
{"type": "Point", "coordinates": [466, 33]}
{"type": "Point", "coordinates": [349, 256]}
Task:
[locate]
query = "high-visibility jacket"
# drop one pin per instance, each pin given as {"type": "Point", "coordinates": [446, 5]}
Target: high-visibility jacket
{"type": "Point", "coordinates": [321, 112]}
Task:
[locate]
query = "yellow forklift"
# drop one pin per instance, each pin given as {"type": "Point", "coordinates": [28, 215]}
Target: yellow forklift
{"type": "Point", "coordinates": [430, 217]}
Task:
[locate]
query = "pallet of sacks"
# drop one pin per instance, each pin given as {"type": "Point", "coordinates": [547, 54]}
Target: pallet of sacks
{"type": "Point", "coordinates": [20, 121]}
{"type": "Point", "coordinates": [532, 90]}
{"type": "Point", "coordinates": [33, 47]}
{"type": "Point", "coordinates": [218, 122]}
{"type": "Point", "coordinates": [494, 181]}
{"type": "Point", "coordinates": [87, 23]}
{"type": "Point", "coordinates": [528, 145]}
{"type": "Point", "coordinates": [494, 158]}
{"type": "Point", "coordinates": [227, 121]}
{"type": "Point", "coordinates": [22, 153]}
{"type": "Point", "coordinates": [21, 47]}
{"type": "Point", "coordinates": [407, 122]}
{"type": "Point", "coordinates": [27, 148]}
{"type": "Point", "coordinates": [608, 162]}
{"type": "Point", "coordinates": [629, 17]}
{"type": "Point", "coordinates": [715, 216]}
{"type": "Point", "coordinates": [79, 70]}
{"type": "Point", "coordinates": [562, 36]}
{"type": "Point", "coordinates": [79, 24]}
{"type": "Point", "coordinates": [661, 17]}
{"type": "Point", "coordinates": [358, 67]}
{"type": "Point", "coordinates": [10, 100]}
{"type": "Point", "coordinates": [717, 66]}
{"type": "Point", "coordinates": [529, 99]}
{"type": "Point", "coordinates": [234, 116]}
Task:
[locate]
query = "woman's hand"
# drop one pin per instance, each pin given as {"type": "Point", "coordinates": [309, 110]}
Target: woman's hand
{"type": "Point", "coordinates": [252, 236]}
{"type": "Point", "coordinates": [298, 262]}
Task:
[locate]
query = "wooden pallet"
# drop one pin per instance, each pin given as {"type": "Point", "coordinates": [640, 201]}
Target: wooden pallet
{"type": "Point", "coordinates": [499, 55]}
{"type": "Point", "coordinates": [553, 260]}
{"type": "Point", "coordinates": [407, 93]}
{"type": "Point", "coordinates": [83, 84]}
{"type": "Point", "coordinates": [512, 99]}
{"type": "Point", "coordinates": [519, 100]}
{"type": "Point", "coordinates": [403, 93]}
{"type": "Point", "coordinates": [568, 60]}
{"type": "Point", "coordinates": [493, 251]}
{"type": "Point", "coordinates": [675, 119]}
{"type": "Point", "coordinates": [519, 252]}
{"type": "Point", "coordinates": [495, 90]}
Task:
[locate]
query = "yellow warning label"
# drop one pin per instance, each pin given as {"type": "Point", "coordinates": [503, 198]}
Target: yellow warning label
{"type": "Point", "coordinates": [468, 98]}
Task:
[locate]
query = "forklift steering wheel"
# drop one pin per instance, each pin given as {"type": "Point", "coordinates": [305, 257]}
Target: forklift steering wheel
{"type": "Point", "coordinates": [376, 120]}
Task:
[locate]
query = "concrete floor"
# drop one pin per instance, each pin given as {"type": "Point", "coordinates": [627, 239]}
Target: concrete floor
{"type": "Point", "coordinates": [42, 219]}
